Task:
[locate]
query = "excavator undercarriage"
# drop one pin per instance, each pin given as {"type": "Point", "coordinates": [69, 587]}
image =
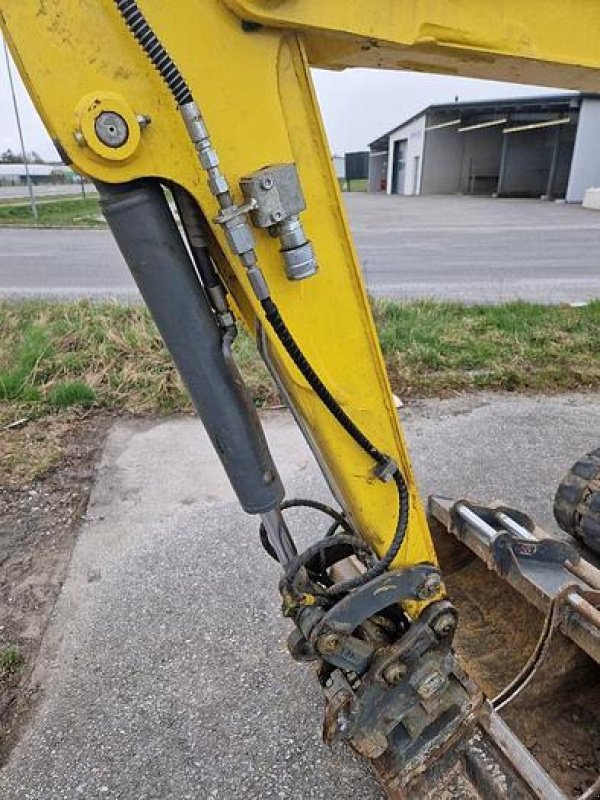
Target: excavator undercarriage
{"type": "Point", "coordinates": [197, 122]}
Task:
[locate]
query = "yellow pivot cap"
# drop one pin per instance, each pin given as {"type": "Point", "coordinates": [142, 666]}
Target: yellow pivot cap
{"type": "Point", "coordinates": [107, 125]}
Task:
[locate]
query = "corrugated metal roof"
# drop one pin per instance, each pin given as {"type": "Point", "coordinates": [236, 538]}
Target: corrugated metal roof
{"type": "Point", "coordinates": [493, 104]}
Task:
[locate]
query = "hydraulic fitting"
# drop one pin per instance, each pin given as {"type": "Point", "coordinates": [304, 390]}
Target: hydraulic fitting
{"type": "Point", "coordinates": [277, 200]}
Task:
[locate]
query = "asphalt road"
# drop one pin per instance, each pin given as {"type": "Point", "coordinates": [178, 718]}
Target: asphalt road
{"type": "Point", "coordinates": [163, 674]}
{"type": "Point", "coordinates": [461, 248]}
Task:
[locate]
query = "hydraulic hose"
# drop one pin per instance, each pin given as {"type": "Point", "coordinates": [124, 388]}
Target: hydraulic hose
{"type": "Point", "coordinates": [152, 46]}
{"type": "Point", "coordinates": [287, 340]}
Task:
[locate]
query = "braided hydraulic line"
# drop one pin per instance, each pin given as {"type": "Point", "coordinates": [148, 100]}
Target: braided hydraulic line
{"type": "Point", "coordinates": [339, 521]}
{"type": "Point", "coordinates": [152, 46]}
{"type": "Point", "coordinates": [239, 236]}
{"type": "Point", "coordinates": [287, 340]}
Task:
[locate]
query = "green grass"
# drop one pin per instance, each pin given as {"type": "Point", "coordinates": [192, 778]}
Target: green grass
{"type": "Point", "coordinates": [432, 347]}
{"type": "Point", "coordinates": [74, 211]}
{"type": "Point", "coordinates": [29, 369]}
{"type": "Point", "coordinates": [57, 355]}
{"type": "Point", "coordinates": [356, 185]}
{"type": "Point", "coordinates": [58, 360]}
{"type": "Point", "coordinates": [74, 393]}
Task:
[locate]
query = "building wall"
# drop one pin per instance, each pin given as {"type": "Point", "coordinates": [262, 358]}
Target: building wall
{"type": "Point", "coordinates": [527, 162]}
{"type": "Point", "coordinates": [442, 160]}
{"type": "Point", "coordinates": [339, 166]}
{"type": "Point", "coordinates": [414, 134]}
{"type": "Point", "coordinates": [482, 149]}
{"type": "Point", "coordinates": [565, 159]}
{"type": "Point", "coordinates": [378, 169]}
{"type": "Point", "coordinates": [585, 166]}
{"type": "Point", "coordinates": [485, 161]}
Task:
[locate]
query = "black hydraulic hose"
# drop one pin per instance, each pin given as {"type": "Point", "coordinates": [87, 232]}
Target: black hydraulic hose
{"type": "Point", "coordinates": [287, 340]}
{"type": "Point", "coordinates": [288, 581]}
{"type": "Point", "coordinates": [154, 49]}
{"type": "Point", "coordinates": [339, 521]}
{"type": "Point", "coordinates": [191, 219]}
{"type": "Point", "coordinates": [384, 563]}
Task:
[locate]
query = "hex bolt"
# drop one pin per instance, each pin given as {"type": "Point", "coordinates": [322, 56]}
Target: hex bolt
{"type": "Point", "coordinates": [444, 625]}
{"type": "Point", "coordinates": [343, 722]}
{"type": "Point", "coordinates": [431, 685]}
{"type": "Point", "coordinates": [143, 120]}
{"type": "Point", "coordinates": [266, 183]}
{"type": "Point", "coordinates": [277, 216]}
{"type": "Point", "coordinates": [429, 587]}
{"type": "Point", "coordinates": [395, 673]}
{"type": "Point", "coordinates": [329, 643]}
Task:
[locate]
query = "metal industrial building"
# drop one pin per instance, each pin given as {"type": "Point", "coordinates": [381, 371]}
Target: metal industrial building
{"type": "Point", "coordinates": [546, 146]}
{"type": "Point", "coordinates": [16, 174]}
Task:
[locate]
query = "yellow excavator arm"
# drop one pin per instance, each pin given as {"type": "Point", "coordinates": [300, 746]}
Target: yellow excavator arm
{"type": "Point", "coordinates": [256, 97]}
{"type": "Point", "coordinates": [212, 101]}
{"type": "Point", "coordinates": [247, 65]}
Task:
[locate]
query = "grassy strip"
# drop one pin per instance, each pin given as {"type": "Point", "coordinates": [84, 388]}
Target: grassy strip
{"type": "Point", "coordinates": [58, 358]}
{"type": "Point", "coordinates": [432, 348]}
{"type": "Point", "coordinates": [74, 211]}
{"type": "Point", "coordinates": [55, 355]}
{"type": "Point", "coordinates": [355, 185]}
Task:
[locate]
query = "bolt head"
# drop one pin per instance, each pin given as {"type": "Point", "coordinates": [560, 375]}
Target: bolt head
{"type": "Point", "coordinates": [429, 587]}
{"type": "Point", "coordinates": [343, 722]}
{"type": "Point", "coordinates": [329, 643]}
{"type": "Point", "coordinates": [431, 685]}
{"type": "Point", "coordinates": [111, 129]}
{"type": "Point", "coordinates": [266, 184]}
{"type": "Point", "coordinates": [395, 673]}
{"type": "Point", "coordinates": [444, 625]}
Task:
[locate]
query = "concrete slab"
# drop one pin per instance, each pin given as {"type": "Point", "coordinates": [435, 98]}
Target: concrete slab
{"type": "Point", "coordinates": [164, 672]}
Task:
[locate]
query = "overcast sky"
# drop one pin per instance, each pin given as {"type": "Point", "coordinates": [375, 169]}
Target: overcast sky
{"type": "Point", "coordinates": [357, 105]}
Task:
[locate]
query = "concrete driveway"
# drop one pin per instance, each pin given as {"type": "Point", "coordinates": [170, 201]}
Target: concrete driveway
{"type": "Point", "coordinates": [164, 676]}
{"type": "Point", "coordinates": [460, 248]}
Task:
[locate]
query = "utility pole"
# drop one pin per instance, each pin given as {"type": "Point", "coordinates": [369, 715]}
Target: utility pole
{"type": "Point", "coordinates": [34, 211]}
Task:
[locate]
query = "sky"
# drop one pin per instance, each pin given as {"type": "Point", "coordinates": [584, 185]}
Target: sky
{"type": "Point", "coordinates": [358, 105]}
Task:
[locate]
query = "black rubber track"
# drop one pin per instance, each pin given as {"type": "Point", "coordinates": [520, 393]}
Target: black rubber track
{"type": "Point", "coordinates": [577, 501]}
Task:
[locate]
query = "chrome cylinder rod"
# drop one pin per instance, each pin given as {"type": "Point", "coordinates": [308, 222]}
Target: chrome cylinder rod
{"type": "Point", "coordinates": [279, 535]}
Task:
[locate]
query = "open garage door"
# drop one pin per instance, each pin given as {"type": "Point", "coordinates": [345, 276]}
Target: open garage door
{"type": "Point", "coordinates": [399, 167]}
{"type": "Point", "coordinates": [536, 160]}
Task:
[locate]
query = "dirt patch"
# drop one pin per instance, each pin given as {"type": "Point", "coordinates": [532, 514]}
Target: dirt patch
{"type": "Point", "coordinates": [38, 528]}
{"type": "Point", "coordinates": [558, 714]}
